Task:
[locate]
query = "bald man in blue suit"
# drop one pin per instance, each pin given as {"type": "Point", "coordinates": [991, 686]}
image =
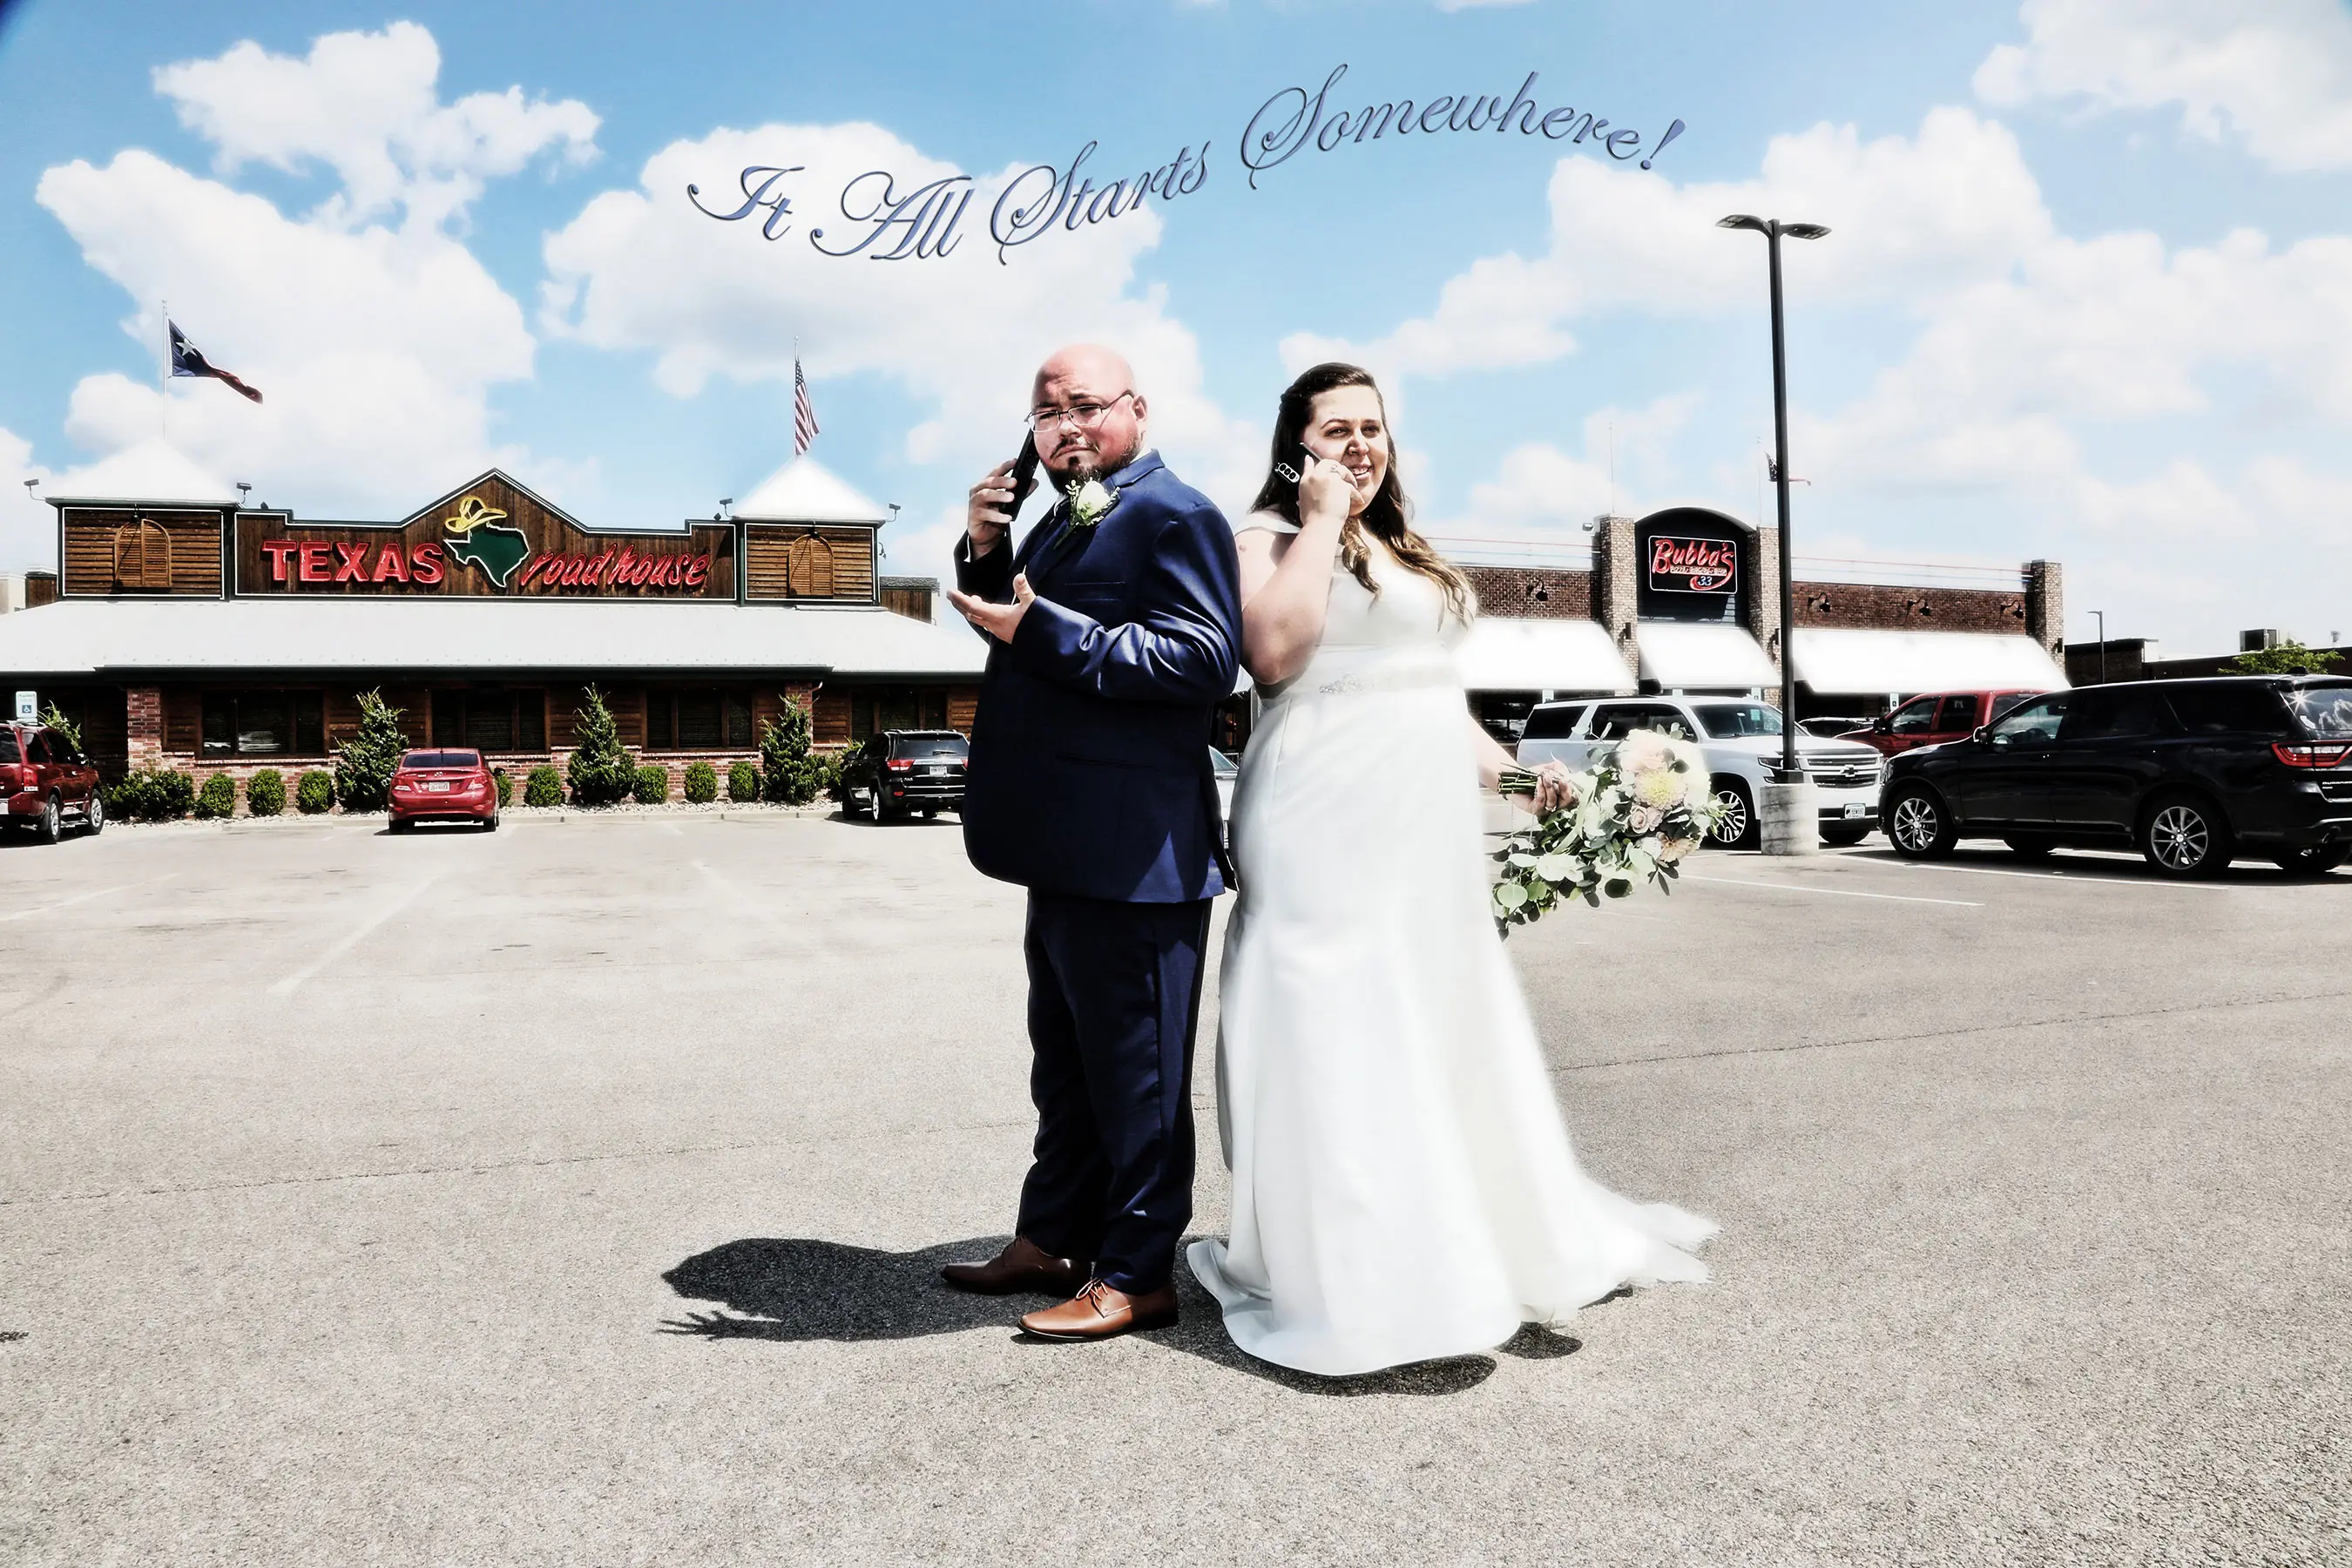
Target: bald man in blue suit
{"type": "Point", "coordinates": [1116, 630]}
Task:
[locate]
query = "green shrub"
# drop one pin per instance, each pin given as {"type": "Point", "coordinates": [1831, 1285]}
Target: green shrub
{"type": "Point", "coordinates": [314, 791]}
{"type": "Point", "coordinates": [150, 794]}
{"type": "Point", "coordinates": [601, 772]}
{"type": "Point", "coordinates": [743, 781]}
{"type": "Point", "coordinates": [788, 772]}
{"type": "Point", "coordinates": [701, 782]}
{"type": "Point", "coordinates": [543, 788]}
{"type": "Point", "coordinates": [265, 792]}
{"type": "Point", "coordinates": [217, 798]}
{"type": "Point", "coordinates": [833, 773]}
{"type": "Point", "coordinates": [2288, 658]}
{"type": "Point", "coordinates": [504, 784]}
{"type": "Point", "coordinates": [652, 785]}
{"type": "Point", "coordinates": [365, 764]}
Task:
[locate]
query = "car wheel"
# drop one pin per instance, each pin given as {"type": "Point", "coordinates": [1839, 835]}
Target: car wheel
{"type": "Point", "coordinates": [1918, 825]}
{"type": "Point", "coordinates": [1735, 828]}
{"type": "Point", "coordinates": [2026, 848]}
{"type": "Point", "coordinates": [1843, 835]}
{"type": "Point", "coordinates": [93, 820]}
{"type": "Point", "coordinates": [398, 825]}
{"type": "Point", "coordinates": [2316, 861]}
{"type": "Point", "coordinates": [875, 810]}
{"type": "Point", "coordinates": [2184, 836]}
{"type": "Point", "coordinates": [50, 828]}
{"type": "Point", "coordinates": [490, 823]}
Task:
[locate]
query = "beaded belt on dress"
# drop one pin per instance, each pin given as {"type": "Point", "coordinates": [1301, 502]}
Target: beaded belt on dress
{"type": "Point", "coordinates": [1329, 676]}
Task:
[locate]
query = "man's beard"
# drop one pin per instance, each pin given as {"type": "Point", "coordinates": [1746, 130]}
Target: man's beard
{"type": "Point", "coordinates": [1080, 467]}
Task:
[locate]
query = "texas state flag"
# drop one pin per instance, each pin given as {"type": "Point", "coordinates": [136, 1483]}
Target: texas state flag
{"type": "Point", "coordinates": [189, 360]}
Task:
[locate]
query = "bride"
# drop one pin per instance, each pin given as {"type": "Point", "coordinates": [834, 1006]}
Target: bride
{"type": "Point", "coordinates": [1404, 1187]}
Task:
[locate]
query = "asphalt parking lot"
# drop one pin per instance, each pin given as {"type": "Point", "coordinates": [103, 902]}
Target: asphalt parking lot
{"type": "Point", "coordinates": [571, 1194]}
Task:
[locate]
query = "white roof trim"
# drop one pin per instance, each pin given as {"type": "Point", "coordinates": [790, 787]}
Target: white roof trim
{"type": "Point", "coordinates": [490, 636]}
{"type": "Point", "coordinates": [804, 490]}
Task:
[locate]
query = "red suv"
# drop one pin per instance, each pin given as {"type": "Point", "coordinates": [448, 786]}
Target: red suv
{"type": "Point", "coordinates": [1937, 719]}
{"type": "Point", "coordinates": [45, 782]}
{"type": "Point", "coordinates": [446, 786]}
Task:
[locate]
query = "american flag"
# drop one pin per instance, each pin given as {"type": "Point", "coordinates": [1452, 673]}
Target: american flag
{"type": "Point", "coordinates": [803, 412]}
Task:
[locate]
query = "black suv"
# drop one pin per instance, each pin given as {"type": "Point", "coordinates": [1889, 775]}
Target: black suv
{"type": "Point", "coordinates": [2193, 772]}
{"type": "Point", "coordinates": [903, 771]}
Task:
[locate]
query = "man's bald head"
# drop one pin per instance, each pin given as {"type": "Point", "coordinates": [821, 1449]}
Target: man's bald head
{"type": "Point", "coordinates": [1088, 377]}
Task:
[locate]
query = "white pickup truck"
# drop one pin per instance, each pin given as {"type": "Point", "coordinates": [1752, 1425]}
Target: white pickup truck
{"type": "Point", "coordinates": [1741, 743]}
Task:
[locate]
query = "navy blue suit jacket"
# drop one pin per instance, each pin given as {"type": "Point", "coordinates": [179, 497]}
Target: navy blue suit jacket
{"type": "Point", "coordinates": [1090, 771]}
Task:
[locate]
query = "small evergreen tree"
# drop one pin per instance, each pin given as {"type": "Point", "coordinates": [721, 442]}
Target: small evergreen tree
{"type": "Point", "coordinates": [789, 773]}
{"type": "Point", "coordinates": [601, 772]}
{"type": "Point", "coordinates": [2289, 658]}
{"type": "Point", "coordinates": [53, 719]}
{"type": "Point", "coordinates": [365, 764]}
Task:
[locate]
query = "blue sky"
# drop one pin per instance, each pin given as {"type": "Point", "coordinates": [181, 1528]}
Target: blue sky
{"type": "Point", "coordinates": [2088, 294]}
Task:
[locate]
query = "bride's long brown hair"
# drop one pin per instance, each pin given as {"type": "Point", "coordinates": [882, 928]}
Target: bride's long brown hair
{"type": "Point", "coordinates": [1387, 516]}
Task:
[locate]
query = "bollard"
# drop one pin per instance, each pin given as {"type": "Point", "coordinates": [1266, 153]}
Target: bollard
{"type": "Point", "coordinates": [1788, 819]}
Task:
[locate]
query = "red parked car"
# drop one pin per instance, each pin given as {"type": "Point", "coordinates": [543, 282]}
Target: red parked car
{"type": "Point", "coordinates": [1935, 719]}
{"type": "Point", "coordinates": [45, 783]}
{"type": "Point", "coordinates": [443, 785]}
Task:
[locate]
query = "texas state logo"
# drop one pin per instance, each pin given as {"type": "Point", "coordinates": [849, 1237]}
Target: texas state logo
{"type": "Point", "coordinates": [476, 538]}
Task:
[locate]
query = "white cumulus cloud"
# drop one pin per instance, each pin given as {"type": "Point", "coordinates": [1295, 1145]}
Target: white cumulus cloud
{"type": "Point", "coordinates": [2275, 75]}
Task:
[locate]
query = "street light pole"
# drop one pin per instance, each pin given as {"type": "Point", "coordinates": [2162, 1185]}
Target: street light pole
{"type": "Point", "coordinates": [1772, 229]}
{"type": "Point", "coordinates": [2102, 616]}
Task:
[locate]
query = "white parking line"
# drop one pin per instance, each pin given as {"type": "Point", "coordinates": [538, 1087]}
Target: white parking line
{"type": "Point", "coordinates": [85, 898]}
{"type": "Point", "coordinates": [1833, 892]}
{"type": "Point", "coordinates": [2059, 877]}
{"type": "Point", "coordinates": [292, 983]}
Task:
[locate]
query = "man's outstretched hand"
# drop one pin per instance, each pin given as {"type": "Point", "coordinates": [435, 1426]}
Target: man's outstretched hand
{"type": "Point", "coordinates": [999, 621]}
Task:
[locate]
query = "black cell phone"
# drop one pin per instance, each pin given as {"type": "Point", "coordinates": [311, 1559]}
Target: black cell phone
{"type": "Point", "coordinates": [1295, 469]}
{"type": "Point", "coordinates": [1025, 475]}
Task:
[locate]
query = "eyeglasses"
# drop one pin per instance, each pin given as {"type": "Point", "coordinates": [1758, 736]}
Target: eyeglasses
{"type": "Point", "coordinates": [1084, 415]}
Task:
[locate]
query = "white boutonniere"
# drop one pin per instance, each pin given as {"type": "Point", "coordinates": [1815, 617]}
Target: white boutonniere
{"type": "Point", "coordinates": [1089, 501]}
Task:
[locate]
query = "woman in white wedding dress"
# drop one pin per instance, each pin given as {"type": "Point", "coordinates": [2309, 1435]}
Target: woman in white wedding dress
{"type": "Point", "coordinates": [1403, 1186]}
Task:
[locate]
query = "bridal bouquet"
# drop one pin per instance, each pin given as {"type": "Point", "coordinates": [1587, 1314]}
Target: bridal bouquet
{"type": "Point", "coordinates": [1631, 815]}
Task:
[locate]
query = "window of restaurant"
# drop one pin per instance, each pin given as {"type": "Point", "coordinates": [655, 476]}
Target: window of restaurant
{"type": "Point", "coordinates": [491, 718]}
{"type": "Point", "coordinates": [698, 721]}
{"type": "Point", "coordinates": [264, 723]}
{"type": "Point", "coordinates": [875, 709]}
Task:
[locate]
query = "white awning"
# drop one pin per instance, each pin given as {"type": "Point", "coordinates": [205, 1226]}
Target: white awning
{"type": "Point", "coordinates": [1686, 656]}
{"type": "Point", "coordinates": [1837, 661]}
{"type": "Point", "coordinates": [121, 637]}
{"type": "Point", "coordinates": [1506, 655]}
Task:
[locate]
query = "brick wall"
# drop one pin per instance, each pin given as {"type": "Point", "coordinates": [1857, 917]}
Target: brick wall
{"type": "Point", "coordinates": [1533, 592]}
{"type": "Point", "coordinates": [1877, 607]}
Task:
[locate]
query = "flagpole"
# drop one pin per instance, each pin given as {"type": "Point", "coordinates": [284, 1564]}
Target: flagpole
{"type": "Point", "coordinates": [164, 381]}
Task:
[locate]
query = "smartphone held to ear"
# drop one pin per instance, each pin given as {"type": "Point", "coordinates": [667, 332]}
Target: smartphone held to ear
{"type": "Point", "coordinates": [1295, 469]}
{"type": "Point", "coordinates": [1025, 475]}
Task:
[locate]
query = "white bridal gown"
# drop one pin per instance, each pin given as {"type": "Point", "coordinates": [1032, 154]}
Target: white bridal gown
{"type": "Point", "coordinates": [1404, 1187]}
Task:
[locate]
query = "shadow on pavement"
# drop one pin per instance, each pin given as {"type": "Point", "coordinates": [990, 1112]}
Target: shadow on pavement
{"type": "Point", "coordinates": [803, 1289]}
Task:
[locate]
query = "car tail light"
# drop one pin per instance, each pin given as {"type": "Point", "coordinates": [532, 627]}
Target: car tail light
{"type": "Point", "coordinates": [2309, 756]}
{"type": "Point", "coordinates": [899, 765]}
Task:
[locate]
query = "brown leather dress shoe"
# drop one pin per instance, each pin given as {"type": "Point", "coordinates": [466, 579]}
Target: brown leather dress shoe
{"type": "Point", "coordinates": [1099, 1312]}
{"type": "Point", "coordinates": [1022, 1265]}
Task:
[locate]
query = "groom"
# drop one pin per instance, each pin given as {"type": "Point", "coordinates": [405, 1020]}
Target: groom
{"type": "Point", "coordinates": [1116, 627]}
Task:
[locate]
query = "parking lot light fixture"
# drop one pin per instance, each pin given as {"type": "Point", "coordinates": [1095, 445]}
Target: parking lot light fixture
{"type": "Point", "coordinates": [1772, 229]}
